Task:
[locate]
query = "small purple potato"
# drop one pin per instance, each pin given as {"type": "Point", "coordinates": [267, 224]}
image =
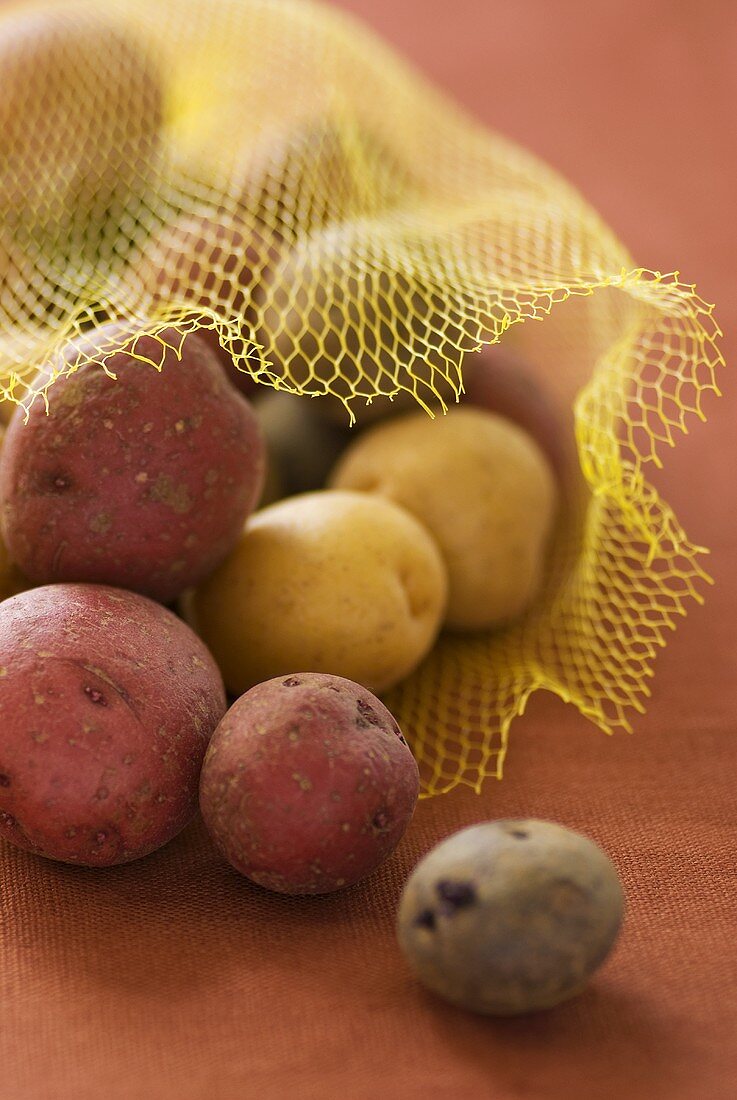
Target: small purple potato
{"type": "Point", "coordinates": [107, 704]}
{"type": "Point", "coordinates": [510, 916]}
{"type": "Point", "coordinates": [308, 784]}
{"type": "Point", "coordinates": [144, 482]}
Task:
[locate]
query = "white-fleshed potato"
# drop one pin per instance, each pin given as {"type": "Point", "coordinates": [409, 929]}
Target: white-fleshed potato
{"type": "Point", "coordinates": [482, 488]}
{"type": "Point", "coordinates": [334, 582]}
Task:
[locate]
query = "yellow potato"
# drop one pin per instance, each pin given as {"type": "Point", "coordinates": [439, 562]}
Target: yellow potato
{"type": "Point", "coordinates": [300, 178]}
{"type": "Point", "coordinates": [80, 115]}
{"type": "Point", "coordinates": [336, 318]}
{"type": "Point", "coordinates": [482, 488]}
{"type": "Point", "coordinates": [329, 582]}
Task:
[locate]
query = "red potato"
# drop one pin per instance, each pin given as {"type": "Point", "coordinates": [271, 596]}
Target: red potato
{"type": "Point", "coordinates": [144, 482]}
{"type": "Point", "coordinates": [213, 261]}
{"type": "Point", "coordinates": [107, 704]}
{"type": "Point", "coordinates": [308, 784]}
{"type": "Point", "coordinates": [501, 383]}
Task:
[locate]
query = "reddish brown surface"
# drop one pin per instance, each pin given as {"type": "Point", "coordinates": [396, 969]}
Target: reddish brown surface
{"type": "Point", "coordinates": [174, 979]}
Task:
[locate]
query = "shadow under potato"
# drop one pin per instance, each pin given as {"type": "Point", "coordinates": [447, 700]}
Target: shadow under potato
{"type": "Point", "coordinates": [181, 921]}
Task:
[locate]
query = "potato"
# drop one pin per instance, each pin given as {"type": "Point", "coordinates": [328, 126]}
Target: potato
{"type": "Point", "coordinates": [482, 488]}
{"type": "Point", "coordinates": [10, 262]}
{"type": "Point", "coordinates": [308, 784]}
{"type": "Point", "coordinates": [80, 117]}
{"type": "Point", "coordinates": [212, 260]}
{"type": "Point", "coordinates": [298, 179]}
{"type": "Point", "coordinates": [144, 482]}
{"type": "Point", "coordinates": [328, 582]}
{"type": "Point", "coordinates": [501, 383]}
{"type": "Point", "coordinates": [12, 580]}
{"type": "Point", "coordinates": [329, 323]}
{"type": "Point", "coordinates": [302, 446]}
{"type": "Point", "coordinates": [273, 488]}
{"type": "Point", "coordinates": [107, 704]}
{"type": "Point", "coordinates": [510, 916]}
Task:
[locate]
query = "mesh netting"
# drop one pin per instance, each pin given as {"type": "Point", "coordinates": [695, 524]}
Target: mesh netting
{"type": "Point", "coordinates": [263, 169]}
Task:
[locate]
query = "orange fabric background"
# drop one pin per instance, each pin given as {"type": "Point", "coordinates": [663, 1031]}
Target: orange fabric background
{"type": "Point", "coordinates": [172, 978]}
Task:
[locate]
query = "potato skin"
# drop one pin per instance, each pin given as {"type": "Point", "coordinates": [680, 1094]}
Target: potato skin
{"type": "Point", "coordinates": [143, 483]}
{"type": "Point", "coordinates": [504, 384]}
{"type": "Point", "coordinates": [212, 260]}
{"type": "Point", "coordinates": [80, 117]}
{"type": "Point", "coordinates": [509, 917]}
{"type": "Point", "coordinates": [302, 446]}
{"type": "Point", "coordinates": [331, 582]}
{"type": "Point", "coordinates": [308, 784]}
{"type": "Point", "coordinates": [303, 175]}
{"type": "Point", "coordinates": [107, 704]}
{"type": "Point", "coordinates": [313, 337]}
{"type": "Point", "coordinates": [12, 580]}
{"type": "Point", "coordinates": [482, 488]}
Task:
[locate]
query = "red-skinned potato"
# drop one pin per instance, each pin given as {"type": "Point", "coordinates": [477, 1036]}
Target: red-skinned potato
{"type": "Point", "coordinates": [12, 580]}
{"type": "Point", "coordinates": [107, 704]}
{"type": "Point", "coordinates": [308, 784]}
{"type": "Point", "coordinates": [502, 383]}
{"type": "Point", "coordinates": [211, 260]}
{"type": "Point", "coordinates": [143, 482]}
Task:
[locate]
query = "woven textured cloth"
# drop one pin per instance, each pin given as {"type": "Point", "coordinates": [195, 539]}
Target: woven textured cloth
{"type": "Point", "coordinates": [173, 978]}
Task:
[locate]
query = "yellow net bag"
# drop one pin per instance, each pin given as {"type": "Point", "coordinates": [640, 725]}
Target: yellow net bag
{"type": "Point", "coordinates": [382, 237]}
